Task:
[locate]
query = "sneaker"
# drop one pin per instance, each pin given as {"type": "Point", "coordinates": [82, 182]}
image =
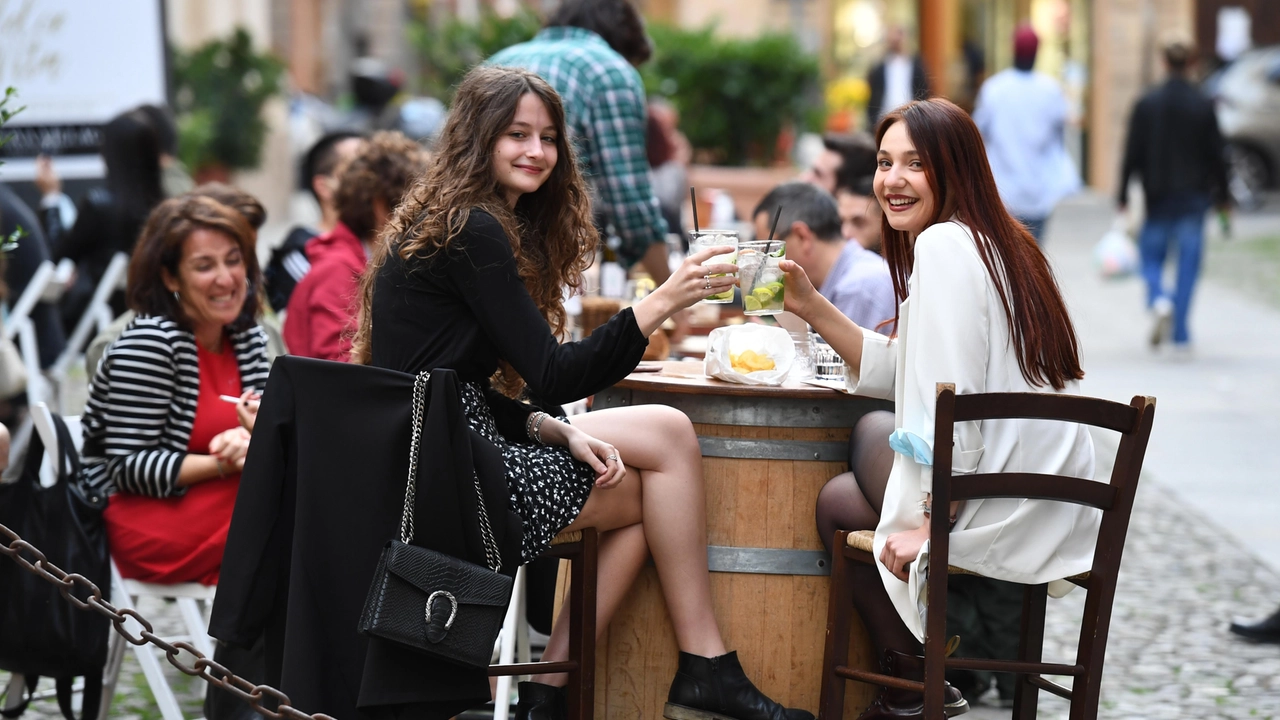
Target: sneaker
{"type": "Point", "coordinates": [1161, 329]}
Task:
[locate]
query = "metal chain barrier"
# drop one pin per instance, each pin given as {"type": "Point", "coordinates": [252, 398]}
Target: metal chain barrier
{"type": "Point", "coordinates": [205, 668]}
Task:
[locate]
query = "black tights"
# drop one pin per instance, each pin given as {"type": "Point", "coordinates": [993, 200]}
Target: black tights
{"type": "Point", "coordinates": [852, 501]}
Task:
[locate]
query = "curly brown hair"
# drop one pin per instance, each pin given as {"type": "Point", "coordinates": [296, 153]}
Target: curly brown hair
{"type": "Point", "coordinates": [160, 248]}
{"type": "Point", "coordinates": [387, 164]}
{"type": "Point", "coordinates": [550, 230]}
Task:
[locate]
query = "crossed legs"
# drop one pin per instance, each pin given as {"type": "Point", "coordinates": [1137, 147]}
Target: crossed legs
{"type": "Point", "coordinates": [659, 508]}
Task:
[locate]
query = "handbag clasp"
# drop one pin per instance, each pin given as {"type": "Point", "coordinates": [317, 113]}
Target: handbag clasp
{"type": "Point", "coordinates": [453, 612]}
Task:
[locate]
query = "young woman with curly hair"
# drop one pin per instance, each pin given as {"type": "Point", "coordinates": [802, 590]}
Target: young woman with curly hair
{"type": "Point", "coordinates": [470, 277]}
{"type": "Point", "coordinates": [979, 307]}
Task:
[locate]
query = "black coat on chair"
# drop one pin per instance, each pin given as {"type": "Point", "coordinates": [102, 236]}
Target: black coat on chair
{"type": "Point", "coordinates": [322, 492]}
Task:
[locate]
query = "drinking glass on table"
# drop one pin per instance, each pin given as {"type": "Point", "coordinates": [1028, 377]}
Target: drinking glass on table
{"type": "Point", "coordinates": [702, 239]}
{"type": "Point", "coordinates": [760, 277]}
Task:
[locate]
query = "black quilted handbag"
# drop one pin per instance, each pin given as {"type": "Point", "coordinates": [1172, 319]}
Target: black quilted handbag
{"type": "Point", "coordinates": [429, 601]}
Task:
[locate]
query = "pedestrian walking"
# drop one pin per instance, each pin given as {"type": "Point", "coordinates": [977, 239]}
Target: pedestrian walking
{"type": "Point", "coordinates": [589, 51]}
{"type": "Point", "coordinates": [1176, 148]}
{"type": "Point", "coordinates": [896, 80]}
{"type": "Point", "coordinates": [1022, 115]}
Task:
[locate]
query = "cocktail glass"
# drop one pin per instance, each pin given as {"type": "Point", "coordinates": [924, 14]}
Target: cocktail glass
{"type": "Point", "coordinates": [702, 239]}
{"type": "Point", "coordinates": [762, 281]}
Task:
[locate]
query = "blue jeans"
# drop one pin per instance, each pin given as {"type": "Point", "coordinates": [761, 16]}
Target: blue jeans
{"type": "Point", "coordinates": [1035, 226]}
{"type": "Point", "coordinates": [1185, 231]}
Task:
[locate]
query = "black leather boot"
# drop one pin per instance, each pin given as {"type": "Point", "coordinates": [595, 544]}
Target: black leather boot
{"type": "Point", "coordinates": [541, 702]}
{"type": "Point", "coordinates": [717, 689]}
{"type": "Point", "coordinates": [895, 704]}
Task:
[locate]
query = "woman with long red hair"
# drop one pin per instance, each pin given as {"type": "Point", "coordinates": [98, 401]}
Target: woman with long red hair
{"type": "Point", "coordinates": [979, 307]}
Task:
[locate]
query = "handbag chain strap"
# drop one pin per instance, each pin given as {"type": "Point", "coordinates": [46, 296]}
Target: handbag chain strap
{"type": "Point", "coordinates": [492, 557]}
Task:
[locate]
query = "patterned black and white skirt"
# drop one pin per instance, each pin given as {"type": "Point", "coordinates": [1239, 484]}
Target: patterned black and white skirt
{"type": "Point", "coordinates": [548, 487]}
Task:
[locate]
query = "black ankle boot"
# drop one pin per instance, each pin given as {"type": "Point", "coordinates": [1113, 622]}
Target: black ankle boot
{"type": "Point", "coordinates": [717, 689]}
{"type": "Point", "coordinates": [541, 702]}
{"type": "Point", "coordinates": [895, 704]}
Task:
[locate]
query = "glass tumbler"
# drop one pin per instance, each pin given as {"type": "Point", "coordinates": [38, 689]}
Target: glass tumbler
{"type": "Point", "coordinates": [702, 239]}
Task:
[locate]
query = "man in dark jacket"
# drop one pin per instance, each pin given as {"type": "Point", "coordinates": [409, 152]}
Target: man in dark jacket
{"type": "Point", "coordinates": [896, 80]}
{"type": "Point", "coordinates": [1175, 146]}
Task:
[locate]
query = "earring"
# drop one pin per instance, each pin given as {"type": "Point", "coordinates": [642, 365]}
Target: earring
{"type": "Point", "coordinates": [176, 296]}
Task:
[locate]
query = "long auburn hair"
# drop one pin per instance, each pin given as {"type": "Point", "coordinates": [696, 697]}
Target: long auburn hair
{"type": "Point", "coordinates": [955, 165]}
{"type": "Point", "coordinates": [550, 230]}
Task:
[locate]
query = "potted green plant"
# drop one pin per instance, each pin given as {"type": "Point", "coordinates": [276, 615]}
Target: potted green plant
{"type": "Point", "coordinates": [448, 49]}
{"type": "Point", "coordinates": [738, 99]}
{"type": "Point", "coordinates": [219, 91]}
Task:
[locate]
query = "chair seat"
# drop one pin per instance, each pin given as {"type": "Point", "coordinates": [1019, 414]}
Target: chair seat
{"type": "Point", "coordinates": [863, 540]}
{"type": "Point", "coordinates": [567, 537]}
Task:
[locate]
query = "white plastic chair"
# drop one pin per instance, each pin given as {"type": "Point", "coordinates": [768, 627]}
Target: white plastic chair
{"type": "Point", "coordinates": [125, 593]}
{"type": "Point", "coordinates": [18, 324]}
{"type": "Point", "coordinates": [513, 645]}
{"type": "Point", "coordinates": [97, 316]}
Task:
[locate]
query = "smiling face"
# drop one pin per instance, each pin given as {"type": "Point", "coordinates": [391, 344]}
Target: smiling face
{"type": "Point", "coordinates": [210, 280]}
{"type": "Point", "coordinates": [526, 152]}
{"type": "Point", "coordinates": [901, 184]}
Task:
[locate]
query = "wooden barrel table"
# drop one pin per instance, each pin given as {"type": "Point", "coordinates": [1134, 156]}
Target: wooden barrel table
{"type": "Point", "coordinates": [767, 452]}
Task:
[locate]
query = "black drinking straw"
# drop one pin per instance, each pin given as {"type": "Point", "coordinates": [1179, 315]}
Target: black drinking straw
{"type": "Point", "coordinates": [693, 199]}
{"type": "Point", "coordinates": [768, 248]}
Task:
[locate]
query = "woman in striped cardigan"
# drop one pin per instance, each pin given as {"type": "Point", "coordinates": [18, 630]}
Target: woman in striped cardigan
{"type": "Point", "coordinates": [158, 433]}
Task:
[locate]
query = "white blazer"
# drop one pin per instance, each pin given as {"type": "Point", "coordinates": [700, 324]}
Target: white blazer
{"type": "Point", "coordinates": [952, 328]}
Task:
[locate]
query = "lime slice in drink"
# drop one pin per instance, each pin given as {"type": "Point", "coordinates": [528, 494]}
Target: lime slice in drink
{"type": "Point", "coordinates": [774, 287]}
{"type": "Point", "coordinates": [763, 294]}
{"type": "Point", "coordinates": [750, 303]}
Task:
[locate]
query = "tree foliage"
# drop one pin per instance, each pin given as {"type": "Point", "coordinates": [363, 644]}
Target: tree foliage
{"type": "Point", "coordinates": [734, 96]}
{"type": "Point", "coordinates": [219, 91]}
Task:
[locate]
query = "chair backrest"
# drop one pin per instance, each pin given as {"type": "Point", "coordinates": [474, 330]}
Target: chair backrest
{"type": "Point", "coordinates": [1115, 499]}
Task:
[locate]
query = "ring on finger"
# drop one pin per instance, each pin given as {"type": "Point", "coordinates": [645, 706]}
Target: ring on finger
{"type": "Point", "coordinates": [611, 457]}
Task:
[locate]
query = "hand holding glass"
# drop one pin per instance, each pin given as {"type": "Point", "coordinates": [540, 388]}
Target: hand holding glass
{"type": "Point", "coordinates": [703, 239]}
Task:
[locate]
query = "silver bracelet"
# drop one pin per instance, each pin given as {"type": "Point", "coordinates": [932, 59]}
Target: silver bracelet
{"type": "Point", "coordinates": [528, 423]}
{"type": "Point", "coordinates": [537, 428]}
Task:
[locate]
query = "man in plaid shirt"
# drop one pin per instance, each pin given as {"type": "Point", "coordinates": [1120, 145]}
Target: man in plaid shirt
{"type": "Point", "coordinates": [589, 51]}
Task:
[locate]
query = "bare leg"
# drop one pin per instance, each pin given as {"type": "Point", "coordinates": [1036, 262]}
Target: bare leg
{"type": "Point", "coordinates": [622, 555]}
{"type": "Point", "coordinates": [662, 496]}
{"type": "Point", "coordinates": [852, 501]}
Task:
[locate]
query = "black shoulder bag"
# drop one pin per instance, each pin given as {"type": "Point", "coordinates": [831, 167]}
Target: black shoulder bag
{"type": "Point", "coordinates": [429, 601]}
{"type": "Point", "coordinates": [42, 633]}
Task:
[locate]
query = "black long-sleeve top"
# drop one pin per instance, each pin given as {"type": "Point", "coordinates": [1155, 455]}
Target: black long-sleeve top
{"type": "Point", "coordinates": [466, 308]}
{"type": "Point", "coordinates": [1175, 145]}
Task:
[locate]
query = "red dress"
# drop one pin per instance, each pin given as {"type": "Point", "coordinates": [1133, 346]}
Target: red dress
{"type": "Point", "coordinates": [180, 539]}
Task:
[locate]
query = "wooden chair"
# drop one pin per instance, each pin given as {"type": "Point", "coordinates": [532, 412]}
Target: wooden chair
{"type": "Point", "coordinates": [1115, 499]}
{"type": "Point", "coordinates": [580, 548]}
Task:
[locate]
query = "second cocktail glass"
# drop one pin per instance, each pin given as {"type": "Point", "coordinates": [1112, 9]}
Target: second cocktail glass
{"type": "Point", "coordinates": [762, 281]}
{"type": "Point", "coordinates": [702, 239]}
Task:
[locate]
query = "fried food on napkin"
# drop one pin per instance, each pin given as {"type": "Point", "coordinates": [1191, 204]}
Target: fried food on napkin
{"type": "Point", "coordinates": [751, 361]}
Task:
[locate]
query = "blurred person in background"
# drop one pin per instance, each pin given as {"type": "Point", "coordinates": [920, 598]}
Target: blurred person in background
{"type": "Point", "coordinates": [1175, 146]}
{"type": "Point", "coordinates": [21, 263]}
{"type": "Point", "coordinates": [174, 177]}
{"type": "Point", "coordinates": [254, 213]}
{"type": "Point", "coordinates": [108, 218]}
{"type": "Point", "coordinates": [854, 279]}
{"type": "Point", "coordinates": [896, 80]}
{"type": "Point", "coordinates": [158, 435]}
{"type": "Point", "coordinates": [845, 168]}
{"type": "Point", "coordinates": [669, 155]}
{"type": "Point", "coordinates": [289, 262]}
{"type": "Point", "coordinates": [589, 51]}
{"type": "Point", "coordinates": [1022, 116]}
{"type": "Point", "coordinates": [321, 311]}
